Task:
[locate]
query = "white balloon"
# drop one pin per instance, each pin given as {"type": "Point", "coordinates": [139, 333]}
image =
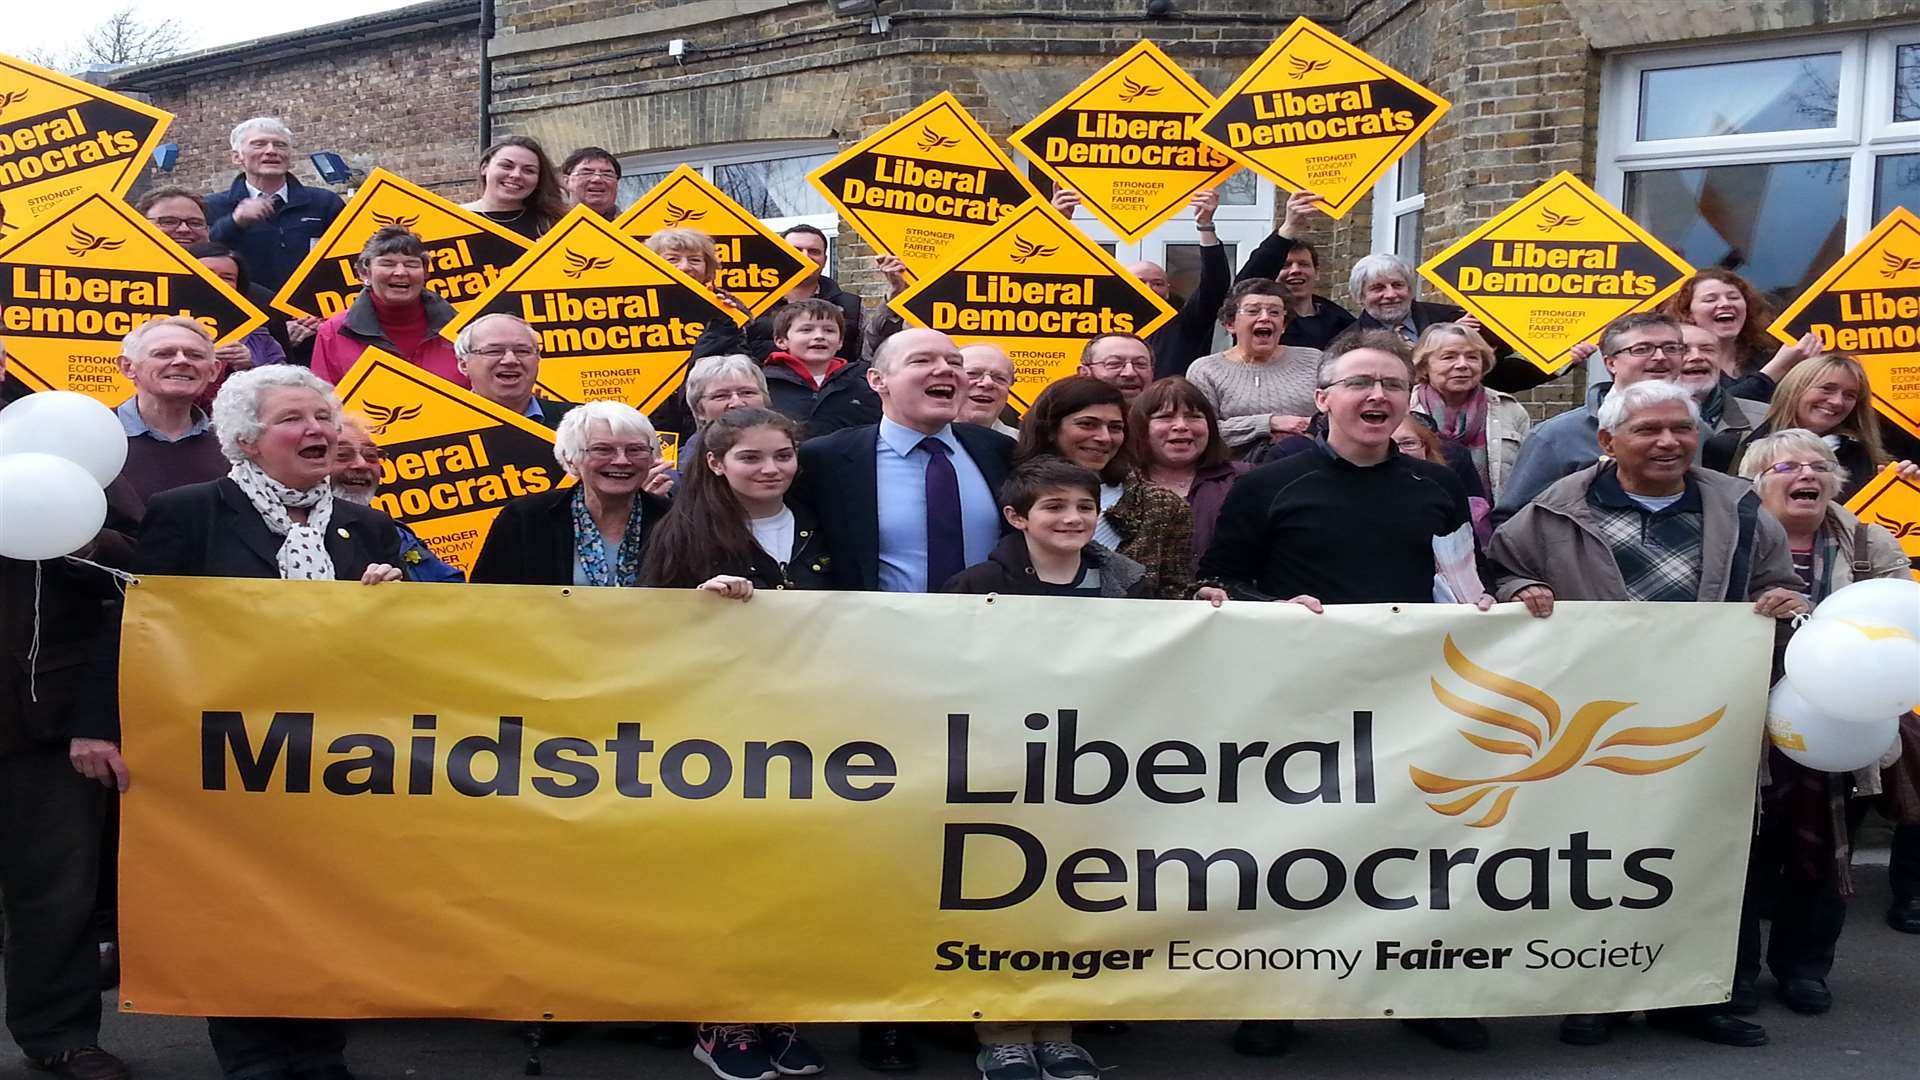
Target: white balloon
{"type": "Point", "coordinates": [68, 425]}
{"type": "Point", "coordinates": [1876, 602]}
{"type": "Point", "coordinates": [49, 507]}
{"type": "Point", "coordinates": [1856, 672]}
{"type": "Point", "coordinates": [1818, 741]}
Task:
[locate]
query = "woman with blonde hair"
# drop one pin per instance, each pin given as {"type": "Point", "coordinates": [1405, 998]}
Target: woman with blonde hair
{"type": "Point", "coordinates": [1830, 396]}
{"type": "Point", "coordinates": [1450, 365]}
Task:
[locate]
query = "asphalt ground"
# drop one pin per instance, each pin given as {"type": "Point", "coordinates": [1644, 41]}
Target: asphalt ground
{"type": "Point", "coordinates": [1873, 1032]}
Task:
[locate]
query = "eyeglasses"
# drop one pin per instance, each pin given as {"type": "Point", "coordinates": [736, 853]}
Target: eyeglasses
{"type": "Point", "coordinates": [1119, 364]}
{"type": "Point", "coordinates": [633, 452]}
{"type": "Point", "coordinates": [1788, 468]}
{"type": "Point", "coordinates": [1392, 384]}
{"type": "Point", "coordinates": [1255, 312]}
{"type": "Point", "coordinates": [1670, 349]}
{"type": "Point", "coordinates": [495, 352]}
{"type": "Point", "coordinates": [596, 174]}
{"type": "Point", "coordinates": [177, 222]}
{"type": "Point", "coordinates": [372, 454]}
{"type": "Point", "coordinates": [744, 393]}
{"type": "Point", "coordinates": [994, 377]}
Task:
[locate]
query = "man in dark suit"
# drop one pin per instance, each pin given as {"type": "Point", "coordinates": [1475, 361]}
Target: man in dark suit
{"type": "Point", "coordinates": [266, 215]}
{"type": "Point", "coordinates": [901, 501]}
{"type": "Point", "coordinates": [500, 356]}
{"type": "Point", "coordinates": [1383, 285]}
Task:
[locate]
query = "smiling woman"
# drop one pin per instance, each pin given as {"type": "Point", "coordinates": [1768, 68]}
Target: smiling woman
{"type": "Point", "coordinates": [395, 312]}
{"type": "Point", "coordinates": [1261, 389]}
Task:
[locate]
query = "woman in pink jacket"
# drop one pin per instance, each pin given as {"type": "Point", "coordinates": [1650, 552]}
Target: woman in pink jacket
{"type": "Point", "coordinates": [394, 311]}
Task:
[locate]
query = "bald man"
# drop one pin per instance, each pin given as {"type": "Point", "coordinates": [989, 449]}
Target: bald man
{"type": "Point", "coordinates": [989, 373]}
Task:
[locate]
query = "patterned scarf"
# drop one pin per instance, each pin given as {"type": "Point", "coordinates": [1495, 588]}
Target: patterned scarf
{"type": "Point", "coordinates": [303, 554]}
{"type": "Point", "coordinates": [591, 547]}
{"type": "Point", "coordinates": [1467, 428]}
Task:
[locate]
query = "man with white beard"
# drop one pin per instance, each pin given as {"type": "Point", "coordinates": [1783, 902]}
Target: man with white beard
{"type": "Point", "coordinates": [356, 477]}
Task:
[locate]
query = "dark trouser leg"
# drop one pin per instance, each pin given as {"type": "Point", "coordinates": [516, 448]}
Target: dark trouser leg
{"type": "Point", "coordinates": [256, 1048]}
{"type": "Point", "coordinates": [1763, 876]}
{"type": "Point", "coordinates": [1903, 870]}
{"type": "Point", "coordinates": [1806, 928]}
{"type": "Point", "coordinates": [50, 819]}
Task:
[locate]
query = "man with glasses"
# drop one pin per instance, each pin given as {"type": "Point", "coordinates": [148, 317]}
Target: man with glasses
{"type": "Point", "coordinates": [500, 356]}
{"type": "Point", "coordinates": [592, 179]}
{"type": "Point", "coordinates": [989, 372]}
{"type": "Point", "coordinates": [356, 478]}
{"type": "Point", "coordinates": [1636, 348]}
{"type": "Point", "coordinates": [1122, 361]}
{"type": "Point", "coordinates": [182, 215]}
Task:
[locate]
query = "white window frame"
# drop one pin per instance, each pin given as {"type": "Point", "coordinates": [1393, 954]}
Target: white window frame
{"type": "Point", "coordinates": [1390, 204]}
{"type": "Point", "coordinates": [704, 159]}
{"type": "Point", "coordinates": [1859, 134]}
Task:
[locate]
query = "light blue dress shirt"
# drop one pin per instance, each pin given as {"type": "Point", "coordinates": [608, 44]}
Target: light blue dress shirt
{"type": "Point", "coordinates": [131, 422]}
{"type": "Point", "coordinates": [900, 474]}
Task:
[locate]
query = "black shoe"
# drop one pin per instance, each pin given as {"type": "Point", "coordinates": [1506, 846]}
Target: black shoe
{"type": "Point", "coordinates": [1452, 1034]}
{"type": "Point", "coordinates": [1586, 1029]}
{"type": "Point", "coordinates": [1723, 1029]}
{"type": "Point", "coordinates": [109, 965]}
{"type": "Point", "coordinates": [1263, 1038]}
{"type": "Point", "coordinates": [887, 1048]}
{"type": "Point", "coordinates": [85, 1063]}
{"type": "Point", "coordinates": [1904, 916]}
{"type": "Point", "coordinates": [1745, 999]}
{"type": "Point", "coordinates": [1806, 996]}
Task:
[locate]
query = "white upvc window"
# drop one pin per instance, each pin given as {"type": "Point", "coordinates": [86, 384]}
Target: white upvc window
{"type": "Point", "coordinates": [768, 178]}
{"type": "Point", "coordinates": [1770, 158]}
{"type": "Point", "coordinates": [1399, 207]}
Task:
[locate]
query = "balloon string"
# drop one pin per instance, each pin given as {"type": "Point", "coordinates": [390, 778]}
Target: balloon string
{"type": "Point", "coordinates": [1801, 619]}
{"type": "Point", "coordinates": [121, 579]}
{"type": "Point", "coordinates": [33, 647]}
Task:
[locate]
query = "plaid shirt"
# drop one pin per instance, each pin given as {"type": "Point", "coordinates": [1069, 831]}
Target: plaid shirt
{"type": "Point", "coordinates": [1659, 552]}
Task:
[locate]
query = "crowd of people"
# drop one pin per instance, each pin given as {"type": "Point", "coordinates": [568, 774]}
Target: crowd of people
{"type": "Point", "coordinates": [1319, 458]}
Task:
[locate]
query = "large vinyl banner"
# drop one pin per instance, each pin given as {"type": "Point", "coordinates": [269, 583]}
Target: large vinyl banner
{"type": "Point", "coordinates": [598, 804]}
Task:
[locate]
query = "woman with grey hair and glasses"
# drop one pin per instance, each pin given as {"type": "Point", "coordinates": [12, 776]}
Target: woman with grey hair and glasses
{"type": "Point", "coordinates": [1803, 848]}
{"type": "Point", "coordinates": [719, 384]}
{"type": "Point", "coordinates": [394, 311]}
{"type": "Point", "coordinates": [592, 532]}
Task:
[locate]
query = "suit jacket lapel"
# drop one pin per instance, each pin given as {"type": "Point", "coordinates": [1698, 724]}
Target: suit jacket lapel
{"type": "Point", "coordinates": [250, 526]}
{"type": "Point", "coordinates": [862, 489]}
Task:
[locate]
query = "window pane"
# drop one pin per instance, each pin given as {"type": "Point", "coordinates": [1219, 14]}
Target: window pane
{"type": "Point", "coordinates": [773, 188]}
{"type": "Point", "coordinates": [1788, 93]}
{"type": "Point", "coordinates": [1906, 83]}
{"type": "Point", "coordinates": [1409, 175]}
{"type": "Point", "coordinates": [1183, 266]}
{"type": "Point", "coordinates": [1239, 189]}
{"type": "Point", "coordinates": [1406, 236]}
{"type": "Point", "coordinates": [634, 185]}
{"type": "Point", "coordinates": [1896, 183]}
{"type": "Point", "coordinates": [1778, 225]}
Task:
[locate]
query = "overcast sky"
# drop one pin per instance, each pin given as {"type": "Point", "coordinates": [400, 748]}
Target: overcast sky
{"type": "Point", "coordinates": [59, 27]}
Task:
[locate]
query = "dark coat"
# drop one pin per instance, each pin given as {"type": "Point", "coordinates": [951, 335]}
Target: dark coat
{"type": "Point", "coordinates": [1511, 374]}
{"type": "Point", "coordinates": [809, 567]}
{"type": "Point", "coordinates": [1306, 332]}
{"type": "Point", "coordinates": [837, 482]}
{"type": "Point", "coordinates": [552, 411]}
{"type": "Point", "coordinates": [531, 541]}
{"type": "Point", "coordinates": [212, 530]}
{"type": "Point", "coordinates": [1188, 336]}
{"type": "Point", "coordinates": [843, 400]}
{"type": "Point", "coordinates": [1009, 570]}
{"type": "Point", "coordinates": [273, 248]}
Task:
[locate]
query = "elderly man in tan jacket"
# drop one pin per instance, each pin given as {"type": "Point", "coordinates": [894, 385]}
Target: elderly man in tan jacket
{"type": "Point", "coordinates": [1645, 524]}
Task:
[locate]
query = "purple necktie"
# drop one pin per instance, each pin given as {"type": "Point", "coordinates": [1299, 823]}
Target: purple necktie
{"type": "Point", "coordinates": [946, 538]}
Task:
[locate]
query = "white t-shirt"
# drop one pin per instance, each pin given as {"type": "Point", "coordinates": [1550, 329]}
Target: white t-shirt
{"type": "Point", "coordinates": [1103, 530]}
{"type": "Point", "coordinates": [774, 535]}
{"type": "Point", "coordinates": [1655, 503]}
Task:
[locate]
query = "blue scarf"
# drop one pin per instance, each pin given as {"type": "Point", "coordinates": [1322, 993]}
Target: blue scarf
{"type": "Point", "coordinates": [592, 548]}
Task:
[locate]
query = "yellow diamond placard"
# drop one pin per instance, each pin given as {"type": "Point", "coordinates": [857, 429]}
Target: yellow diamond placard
{"type": "Point", "coordinates": [1892, 502]}
{"type": "Point", "coordinates": [73, 283]}
{"type": "Point", "coordinates": [60, 136]}
{"type": "Point", "coordinates": [465, 252]}
{"type": "Point", "coordinates": [1313, 113]}
{"type": "Point", "coordinates": [924, 186]}
{"type": "Point", "coordinates": [1553, 269]}
{"type": "Point", "coordinates": [1124, 140]}
{"type": "Point", "coordinates": [615, 320]}
{"type": "Point", "coordinates": [1868, 306]}
{"type": "Point", "coordinates": [1038, 288]}
{"type": "Point", "coordinates": [453, 457]}
{"type": "Point", "coordinates": [756, 266]}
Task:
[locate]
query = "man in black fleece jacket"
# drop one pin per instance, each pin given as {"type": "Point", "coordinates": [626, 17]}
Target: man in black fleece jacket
{"type": "Point", "coordinates": [1351, 521]}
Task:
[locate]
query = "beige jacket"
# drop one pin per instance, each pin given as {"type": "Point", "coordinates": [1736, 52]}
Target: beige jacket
{"type": "Point", "coordinates": [1553, 541]}
{"type": "Point", "coordinates": [1507, 427]}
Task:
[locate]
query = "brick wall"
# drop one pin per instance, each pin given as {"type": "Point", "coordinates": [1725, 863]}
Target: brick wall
{"type": "Point", "coordinates": [407, 104]}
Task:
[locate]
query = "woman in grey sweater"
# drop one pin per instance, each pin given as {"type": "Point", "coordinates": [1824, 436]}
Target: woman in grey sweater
{"type": "Point", "coordinates": [1261, 388]}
